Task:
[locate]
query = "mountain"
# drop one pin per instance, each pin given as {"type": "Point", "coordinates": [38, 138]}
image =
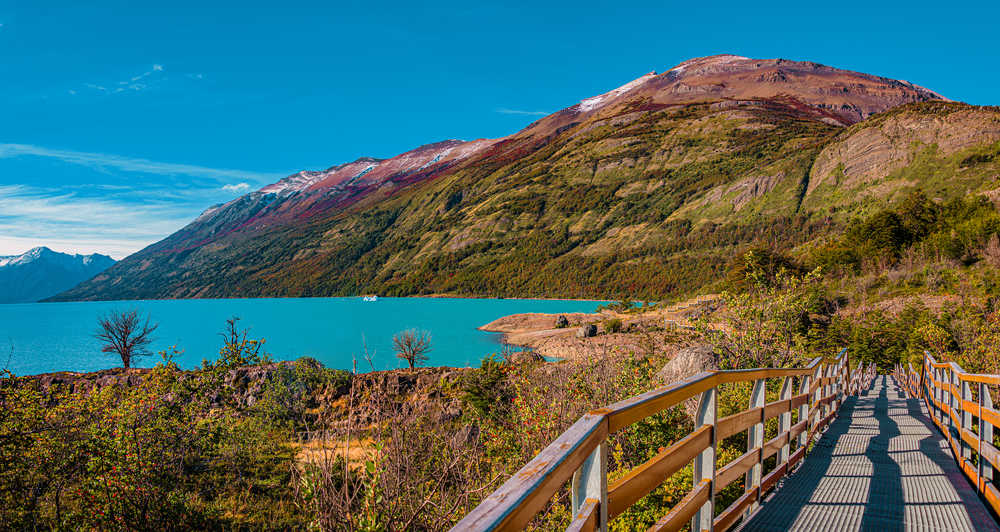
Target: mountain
{"type": "Point", "coordinates": [41, 272]}
{"type": "Point", "coordinates": [643, 191]}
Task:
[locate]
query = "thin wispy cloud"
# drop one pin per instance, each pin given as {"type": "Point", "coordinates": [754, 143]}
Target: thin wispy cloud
{"type": "Point", "coordinates": [31, 216]}
{"type": "Point", "coordinates": [505, 111]}
{"type": "Point", "coordinates": [238, 188]}
{"type": "Point", "coordinates": [104, 161]}
{"type": "Point", "coordinates": [153, 77]}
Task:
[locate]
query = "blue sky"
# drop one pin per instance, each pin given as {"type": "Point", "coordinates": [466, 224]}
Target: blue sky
{"type": "Point", "coordinates": [120, 121]}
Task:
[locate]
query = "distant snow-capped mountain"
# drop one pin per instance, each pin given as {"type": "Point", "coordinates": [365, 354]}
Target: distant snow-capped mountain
{"type": "Point", "coordinates": [41, 272]}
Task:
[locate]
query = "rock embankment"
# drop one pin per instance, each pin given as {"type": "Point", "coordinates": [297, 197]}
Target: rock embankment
{"type": "Point", "coordinates": [361, 399]}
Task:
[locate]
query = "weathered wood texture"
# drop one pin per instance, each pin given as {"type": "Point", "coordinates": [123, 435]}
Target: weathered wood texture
{"type": "Point", "coordinates": [823, 385]}
{"type": "Point", "coordinates": [881, 466]}
{"type": "Point", "coordinates": [960, 405]}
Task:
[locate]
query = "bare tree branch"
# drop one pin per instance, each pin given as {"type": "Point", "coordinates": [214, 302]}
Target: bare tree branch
{"type": "Point", "coordinates": [126, 334]}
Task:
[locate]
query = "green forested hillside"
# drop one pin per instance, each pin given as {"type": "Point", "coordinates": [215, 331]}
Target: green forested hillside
{"type": "Point", "coordinates": [650, 203]}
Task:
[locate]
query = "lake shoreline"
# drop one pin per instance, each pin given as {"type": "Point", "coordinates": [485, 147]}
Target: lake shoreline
{"type": "Point", "coordinates": [335, 331]}
{"type": "Point", "coordinates": [247, 298]}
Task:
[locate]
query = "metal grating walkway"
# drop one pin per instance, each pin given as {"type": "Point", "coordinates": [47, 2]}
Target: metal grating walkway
{"type": "Point", "coordinates": [881, 466]}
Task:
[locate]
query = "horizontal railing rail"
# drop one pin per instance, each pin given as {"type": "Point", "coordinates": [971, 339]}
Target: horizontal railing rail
{"type": "Point", "coordinates": [579, 456]}
{"type": "Point", "coordinates": [961, 406]}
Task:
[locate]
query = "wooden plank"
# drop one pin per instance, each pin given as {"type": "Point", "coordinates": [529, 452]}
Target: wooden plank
{"type": "Point", "coordinates": [799, 400]}
{"type": "Point", "coordinates": [991, 454]}
{"type": "Point", "coordinates": [772, 478]}
{"type": "Point", "coordinates": [969, 437]}
{"type": "Point", "coordinates": [776, 408]}
{"type": "Point", "coordinates": [985, 379]}
{"type": "Point", "coordinates": [729, 516]}
{"type": "Point", "coordinates": [796, 456]}
{"type": "Point", "coordinates": [773, 445]}
{"type": "Point", "coordinates": [797, 428]}
{"type": "Point", "coordinates": [750, 375]}
{"type": "Point", "coordinates": [633, 409]}
{"type": "Point", "coordinates": [991, 416]}
{"type": "Point", "coordinates": [586, 519]}
{"type": "Point", "coordinates": [954, 417]}
{"type": "Point", "coordinates": [970, 471]}
{"type": "Point", "coordinates": [993, 497]}
{"type": "Point", "coordinates": [971, 407]}
{"type": "Point", "coordinates": [688, 506]}
{"type": "Point", "coordinates": [646, 477]}
{"type": "Point", "coordinates": [515, 503]}
{"type": "Point", "coordinates": [738, 422]}
{"type": "Point", "coordinates": [734, 469]}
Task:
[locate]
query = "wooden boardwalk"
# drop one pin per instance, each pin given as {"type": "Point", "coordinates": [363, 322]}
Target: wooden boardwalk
{"type": "Point", "coordinates": [881, 466]}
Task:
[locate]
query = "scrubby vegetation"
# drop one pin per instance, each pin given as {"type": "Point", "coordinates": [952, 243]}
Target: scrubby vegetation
{"type": "Point", "coordinates": [162, 449]}
{"type": "Point", "coordinates": [417, 449]}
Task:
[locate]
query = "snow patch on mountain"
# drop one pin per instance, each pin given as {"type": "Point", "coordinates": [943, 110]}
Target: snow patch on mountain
{"type": "Point", "coordinates": [294, 182]}
{"type": "Point", "coordinates": [705, 61]}
{"type": "Point", "coordinates": [601, 100]}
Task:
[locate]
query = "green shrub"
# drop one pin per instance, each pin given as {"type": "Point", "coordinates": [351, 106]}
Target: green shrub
{"type": "Point", "coordinates": [486, 388]}
{"type": "Point", "coordinates": [613, 325]}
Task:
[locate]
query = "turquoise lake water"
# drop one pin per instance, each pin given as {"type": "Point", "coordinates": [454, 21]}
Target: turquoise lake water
{"type": "Point", "coordinates": [58, 336]}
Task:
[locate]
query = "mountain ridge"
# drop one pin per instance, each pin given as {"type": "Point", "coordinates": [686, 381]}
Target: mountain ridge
{"type": "Point", "coordinates": [725, 140]}
{"type": "Point", "coordinates": [41, 272]}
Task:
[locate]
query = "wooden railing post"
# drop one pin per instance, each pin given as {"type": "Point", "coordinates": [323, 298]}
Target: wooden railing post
{"type": "Point", "coordinates": [923, 377]}
{"type": "Point", "coordinates": [938, 393]}
{"type": "Point", "coordinates": [704, 463]}
{"type": "Point", "coordinates": [804, 410]}
{"type": "Point", "coordinates": [985, 433]}
{"type": "Point", "coordinates": [816, 416]}
{"type": "Point", "coordinates": [966, 418]}
{"type": "Point", "coordinates": [954, 404]}
{"type": "Point", "coordinates": [590, 482]}
{"type": "Point", "coordinates": [944, 398]}
{"type": "Point", "coordinates": [755, 442]}
{"type": "Point", "coordinates": [785, 421]}
{"type": "Point", "coordinates": [827, 390]}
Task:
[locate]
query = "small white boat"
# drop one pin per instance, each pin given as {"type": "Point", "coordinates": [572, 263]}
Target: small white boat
{"type": "Point", "coordinates": [369, 298]}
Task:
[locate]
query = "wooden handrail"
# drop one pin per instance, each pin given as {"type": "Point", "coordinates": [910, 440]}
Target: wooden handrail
{"type": "Point", "coordinates": [947, 391]}
{"type": "Point", "coordinates": [579, 455]}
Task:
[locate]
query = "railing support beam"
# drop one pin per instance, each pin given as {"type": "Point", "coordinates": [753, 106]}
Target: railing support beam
{"type": "Point", "coordinates": [591, 482]}
{"type": "Point", "coordinates": [804, 411]}
{"type": "Point", "coordinates": [785, 421]}
{"type": "Point", "coordinates": [985, 432]}
{"type": "Point", "coordinates": [755, 442]}
{"type": "Point", "coordinates": [966, 418]}
{"type": "Point", "coordinates": [704, 463]}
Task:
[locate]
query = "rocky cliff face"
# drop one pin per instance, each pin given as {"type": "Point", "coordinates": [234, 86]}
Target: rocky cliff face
{"type": "Point", "coordinates": [912, 147]}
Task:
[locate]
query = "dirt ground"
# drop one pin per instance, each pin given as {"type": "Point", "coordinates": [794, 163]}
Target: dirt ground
{"type": "Point", "coordinates": [657, 329]}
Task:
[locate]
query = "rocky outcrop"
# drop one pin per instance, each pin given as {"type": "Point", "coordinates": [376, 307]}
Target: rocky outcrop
{"type": "Point", "coordinates": [380, 395]}
{"type": "Point", "coordinates": [873, 150]}
{"type": "Point", "coordinates": [362, 399]}
{"type": "Point", "coordinates": [687, 362]}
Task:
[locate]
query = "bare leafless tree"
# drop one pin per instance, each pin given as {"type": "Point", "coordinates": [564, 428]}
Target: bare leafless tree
{"type": "Point", "coordinates": [412, 346]}
{"type": "Point", "coordinates": [125, 333]}
{"type": "Point", "coordinates": [238, 349]}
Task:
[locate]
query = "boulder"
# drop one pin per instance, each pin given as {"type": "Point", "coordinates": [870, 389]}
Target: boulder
{"type": "Point", "coordinates": [467, 436]}
{"type": "Point", "coordinates": [524, 357]}
{"type": "Point", "coordinates": [687, 362]}
{"type": "Point", "coordinates": [587, 331]}
{"type": "Point", "coordinates": [562, 322]}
